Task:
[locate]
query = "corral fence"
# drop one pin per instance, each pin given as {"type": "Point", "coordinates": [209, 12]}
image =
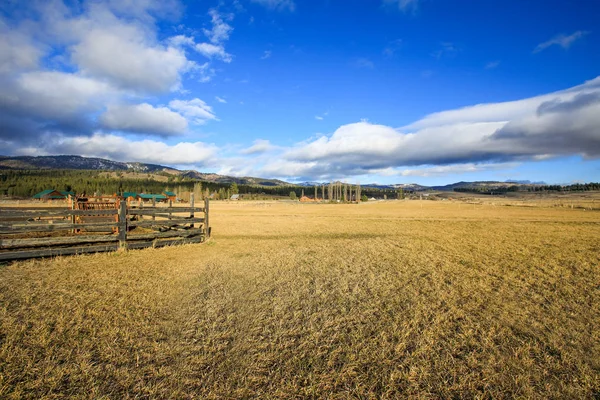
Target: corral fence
{"type": "Point", "coordinates": [99, 227]}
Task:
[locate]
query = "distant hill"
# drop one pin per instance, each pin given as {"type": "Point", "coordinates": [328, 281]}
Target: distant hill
{"type": "Point", "coordinates": [91, 163]}
{"type": "Point", "coordinates": [480, 184]}
{"type": "Point", "coordinates": [76, 162]}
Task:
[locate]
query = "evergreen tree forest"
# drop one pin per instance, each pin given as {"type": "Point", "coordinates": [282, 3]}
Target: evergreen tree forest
{"type": "Point", "coordinates": [26, 183]}
{"type": "Point", "coordinates": [578, 187]}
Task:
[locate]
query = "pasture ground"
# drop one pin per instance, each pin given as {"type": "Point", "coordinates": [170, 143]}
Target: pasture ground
{"type": "Point", "coordinates": [431, 299]}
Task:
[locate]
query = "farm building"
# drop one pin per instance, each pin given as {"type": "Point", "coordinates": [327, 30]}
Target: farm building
{"type": "Point", "coordinates": [51, 194]}
{"type": "Point", "coordinates": [235, 197]}
{"type": "Point", "coordinates": [150, 196]}
{"type": "Point", "coordinates": [170, 195]}
{"type": "Point", "coordinates": [130, 196]}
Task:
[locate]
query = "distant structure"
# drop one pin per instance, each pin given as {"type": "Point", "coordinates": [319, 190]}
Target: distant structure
{"type": "Point", "coordinates": [52, 194]}
{"type": "Point", "coordinates": [342, 192]}
{"type": "Point", "coordinates": [234, 197]}
{"type": "Point", "coordinates": [170, 195]}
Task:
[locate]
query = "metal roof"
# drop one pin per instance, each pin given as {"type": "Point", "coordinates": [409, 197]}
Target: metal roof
{"type": "Point", "coordinates": [150, 196]}
{"type": "Point", "coordinates": [47, 194]}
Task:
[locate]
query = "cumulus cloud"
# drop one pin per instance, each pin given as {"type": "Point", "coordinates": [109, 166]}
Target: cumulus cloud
{"type": "Point", "coordinates": [43, 100]}
{"type": "Point", "coordinates": [143, 118]}
{"type": "Point", "coordinates": [211, 51]}
{"type": "Point", "coordinates": [220, 30]}
{"type": "Point", "coordinates": [195, 110]}
{"type": "Point", "coordinates": [18, 52]}
{"type": "Point", "coordinates": [562, 123]}
{"type": "Point", "coordinates": [98, 59]}
{"type": "Point", "coordinates": [562, 40]}
{"type": "Point", "coordinates": [259, 146]}
{"type": "Point", "coordinates": [120, 56]}
{"type": "Point", "coordinates": [217, 35]}
{"type": "Point", "coordinates": [122, 149]}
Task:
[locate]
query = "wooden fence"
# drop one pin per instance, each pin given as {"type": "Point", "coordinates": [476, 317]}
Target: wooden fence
{"type": "Point", "coordinates": [44, 232]}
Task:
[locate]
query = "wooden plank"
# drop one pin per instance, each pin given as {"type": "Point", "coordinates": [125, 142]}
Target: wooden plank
{"type": "Point", "coordinates": [173, 222]}
{"type": "Point", "coordinates": [192, 207]}
{"type": "Point", "coordinates": [168, 234]}
{"type": "Point", "coordinates": [163, 243]}
{"type": "Point", "coordinates": [55, 241]}
{"type": "Point", "coordinates": [140, 211]}
{"type": "Point", "coordinates": [153, 206]}
{"type": "Point", "coordinates": [29, 213]}
{"type": "Point", "coordinates": [123, 225]}
{"type": "Point", "coordinates": [12, 229]}
{"type": "Point", "coordinates": [206, 224]}
{"type": "Point", "coordinates": [19, 255]}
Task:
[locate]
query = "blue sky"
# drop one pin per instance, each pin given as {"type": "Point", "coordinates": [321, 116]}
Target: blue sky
{"type": "Point", "coordinates": [387, 91]}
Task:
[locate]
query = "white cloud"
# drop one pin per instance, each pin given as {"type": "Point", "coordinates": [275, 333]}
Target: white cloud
{"type": "Point", "coordinates": [492, 64]}
{"type": "Point", "coordinates": [18, 52]}
{"type": "Point", "coordinates": [210, 50]}
{"type": "Point", "coordinates": [442, 170]}
{"type": "Point", "coordinates": [220, 99]}
{"type": "Point", "coordinates": [143, 118]}
{"type": "Point", "coordinates": [181, 40]}
{"type": "Point", "coordinates": [318, 117]}
{"type": "Point", "coordinates": [279, 5]}
{"type": "Point", "coordinates": [61, 93]}
{"type": "Point", "coordinates": [259, 146]}
{"type": "Point", "coordinates": [266, 54]}
{"type": "Point", "coordinates": [194, 110]}
{"type": "Point", "coordinates": [121, 149]}
{"type": "Point", "coordinates": [562, 40]}
{"type": "Point", "coordinates": [563, 123]}
{"type": "Point", "coordinates": [220, 30]}
{"type": "Point", "coordinates": [121, 55]}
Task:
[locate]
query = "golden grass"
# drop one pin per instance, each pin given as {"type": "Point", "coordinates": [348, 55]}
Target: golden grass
{"type": "Point", "coordinates": [386, 300]}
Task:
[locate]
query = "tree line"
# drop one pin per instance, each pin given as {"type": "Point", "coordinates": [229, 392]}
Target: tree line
{"type": "Point", "coordinates": [26, 183]}
{"type": "Point", "coordinates": [577, 187]}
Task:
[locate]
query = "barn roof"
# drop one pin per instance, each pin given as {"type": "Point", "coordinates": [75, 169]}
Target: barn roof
{"type": "Point", "coordinates": [150, 196]}
{"type": "Point", "coordinates": [49, 194]}
{"type": "Point", "coordinates": [130, 194]}
{"type": "Point", "coordinates": [170, 194]}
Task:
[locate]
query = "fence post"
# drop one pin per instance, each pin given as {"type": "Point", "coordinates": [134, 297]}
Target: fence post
{"type": "Point", "coordinates": [123, 226]}
{"type": "Point", "coordinates": [192, 206]}
{"type": "Point", "coordinates": [206, 222]}
{"type": "Point", "coordinates": [154, 206]}
{"type": "Point", "coordinates": [72, 201]}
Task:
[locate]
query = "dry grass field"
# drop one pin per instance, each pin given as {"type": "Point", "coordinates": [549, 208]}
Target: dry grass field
{"type": "Point", "coordinates": [379, 300]}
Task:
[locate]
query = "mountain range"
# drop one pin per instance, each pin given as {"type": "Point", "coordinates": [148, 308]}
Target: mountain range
{"type": "Point", "coordinates": [90, 163]}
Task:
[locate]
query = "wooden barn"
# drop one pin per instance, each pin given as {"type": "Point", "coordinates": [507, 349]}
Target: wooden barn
{"type": "Point", "coordinates": [151, 196]}
{"type": "Point", "coordinates": [129, 196]}
{"type": "Point", "coordinates": [170, 196]}
{"type": "Point", "coordinates": [52, 194]}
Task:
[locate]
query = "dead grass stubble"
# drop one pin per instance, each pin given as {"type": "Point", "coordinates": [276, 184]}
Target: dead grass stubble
{"type": "Point", "coordinates": [323, 301]}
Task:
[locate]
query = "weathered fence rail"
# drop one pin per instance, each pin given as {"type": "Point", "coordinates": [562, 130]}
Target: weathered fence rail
{"type": "Point", "coordinates": [30, 233]}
